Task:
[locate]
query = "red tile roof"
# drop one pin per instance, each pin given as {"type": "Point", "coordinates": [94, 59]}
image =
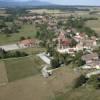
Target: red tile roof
{"type": "Point", "coordinates": [27, 42]}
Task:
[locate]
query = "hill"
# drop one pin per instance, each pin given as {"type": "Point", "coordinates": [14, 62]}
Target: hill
{"type": "Point", "coordinates": [28, 3]}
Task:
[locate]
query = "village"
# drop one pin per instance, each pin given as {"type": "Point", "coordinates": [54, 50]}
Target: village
{"type": "Point", "coordinates": [49, 50]}
{"type": "Point", "coordinates": [68, 41]}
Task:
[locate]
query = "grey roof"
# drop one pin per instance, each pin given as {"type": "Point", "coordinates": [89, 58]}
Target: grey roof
{"type": "Point", "coordinates": [91, 56]}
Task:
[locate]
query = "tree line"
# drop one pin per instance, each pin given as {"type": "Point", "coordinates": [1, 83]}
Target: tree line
{"type": "Point", "coordinates": [11, 54]}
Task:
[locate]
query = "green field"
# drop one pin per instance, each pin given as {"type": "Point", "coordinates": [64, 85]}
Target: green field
{"type": "Point", "coordinates": [95, 25]}
{"type": "Point", "coordinates": [26, 31]}
{"type": "Point", "coordinates": [19, 68]}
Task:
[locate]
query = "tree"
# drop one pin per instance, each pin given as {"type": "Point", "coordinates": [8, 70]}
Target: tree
{"type": "Point", "coordinates": [73, 43]}
{"type": "Point", "coordinates": [22, 38]}
{"type": "Point", "coordinates": [37, 34]}
{"type": "Point", "coordinates": [94, 81]}
{"type": "Point", "coordinates": [2, 53]}
{"type": "Point", "coordinates": [2, 24]}
{"type": "Point", "coordinates": [77, 59]}
{"type": "Point", "coordinates": [80, 81]}
{"type": "Point", "coordinates": [68, 59]}
{"type": "Point", "coordinates": [55, 63]}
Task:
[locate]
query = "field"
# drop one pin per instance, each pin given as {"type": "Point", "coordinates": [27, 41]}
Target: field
{"type": "Point", "coordinates": [26, 30]}
{"type": "Point", "coordinates": [33, 51]}
{"type": "Point", "coordinates": [40, 11]}
{"type": "Point", "coordinates": [12, 69]}
{"type": "Point", "coordinates": [19, 68]}
{"type": "Point", "coordinates": [95, 25]}
{"type": "Point", "coordinates": [3, 12]}
{"type": "Point", "coordinates": [37, 87]}
{"type": "Point", "coordinates": [3, 74]}
{"type": "Point", "coordinates": [79, 94]}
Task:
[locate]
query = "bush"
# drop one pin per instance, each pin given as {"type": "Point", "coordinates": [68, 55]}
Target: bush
{"type": "Point", "coordinates": [80, 81]}
{"type": "Point", "coordinates": [22, 38]}
{"type": "Point", "coordinates": [4, 54]}
{"type": "Point", "coordinates": [94, 81]}
{"type": "Point", "coordinates": [55, 63]}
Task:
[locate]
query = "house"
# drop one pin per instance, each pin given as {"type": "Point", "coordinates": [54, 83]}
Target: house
{"type": "Point", "coordinates": [80, 36]}
{"type": "Point", "coordinates": [92, 61]}
{"type": "Point", "coordinates": [84, 42]}
{"type": "Point", "coordinates": [89, 44]}
{"type": "Point", "coordinates": [90, 57]}
{"type": "Point", "coordinates": [28, 43]}
{"type": "Point", "coordinates": [63, 42]}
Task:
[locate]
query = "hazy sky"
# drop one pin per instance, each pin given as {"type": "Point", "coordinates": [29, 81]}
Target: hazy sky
{"type": "Point", "coordinates": [75, 2]}
{"type": "Point", "coordinates": [71, 2]}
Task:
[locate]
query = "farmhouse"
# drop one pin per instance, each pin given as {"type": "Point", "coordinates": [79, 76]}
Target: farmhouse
{"type": "Point", "coordinates": [28, 43]}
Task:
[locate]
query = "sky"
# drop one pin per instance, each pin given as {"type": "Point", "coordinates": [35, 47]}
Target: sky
{"type": "Point", "coordinates": [70, 2]}
{"type": "Point", "coordinates": [75, 2]}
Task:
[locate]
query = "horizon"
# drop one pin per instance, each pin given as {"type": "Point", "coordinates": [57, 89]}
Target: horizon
{"type": "Point", "coordinates": [65, 2]}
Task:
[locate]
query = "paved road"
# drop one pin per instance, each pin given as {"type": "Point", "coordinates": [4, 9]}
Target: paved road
{"type": "Point", "coordinates": [44, 58]}
{"type": "Point", "coordinates": [45, 71]}
{"type": "Point", "coordinates": [93, 73]}
{"type": "Point", "coordinates": [10, 47]}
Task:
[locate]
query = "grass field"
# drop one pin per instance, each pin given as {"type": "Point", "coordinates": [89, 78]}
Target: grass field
{"type": "Point", "coordinates": [3, 12]}
{"type": "Point", "coordinates": [26, 31]}
{"type": "Point", "coordinates": [94, 24]}
{"type": "Point", "coordinates": [79, 94]}
{"type": "Point", "coordinates": [33, 51]}
{"type": "Point", "coordinates": [3, 74]}
{"type": "Point", "coordinates": [37, 87]}
{"type": "Point", "coordinates": [19, 68]}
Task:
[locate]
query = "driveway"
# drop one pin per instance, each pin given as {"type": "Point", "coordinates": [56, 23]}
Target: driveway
{"type": "Point", "coordinates": [44, 58]}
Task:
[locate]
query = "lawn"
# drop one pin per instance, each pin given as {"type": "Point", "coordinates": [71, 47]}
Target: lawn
{"type": "Point", "coordinates": [19, 68]}
{"type": "Point", "coordinates": [26, 31]}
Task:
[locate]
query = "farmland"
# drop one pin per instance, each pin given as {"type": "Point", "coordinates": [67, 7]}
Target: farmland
{"type": "Point", "coordinates": [26, 31]}
{"type": "Point", "coordinates": [22, 67]}
{"type": "Point", "coordinates": [94, 25]}
{"type": "Point", "coordinates": [36, 87]}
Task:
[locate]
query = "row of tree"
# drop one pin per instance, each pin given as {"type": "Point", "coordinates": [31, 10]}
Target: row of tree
{"type": "Point", "coordinates": [9, 29]}
{"type": "Point", "coordinates": [8, 54]}
{"type": "Point", "coordinates": [59, 59]}
{"type": "Point", "coordinates": [93, 81]}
